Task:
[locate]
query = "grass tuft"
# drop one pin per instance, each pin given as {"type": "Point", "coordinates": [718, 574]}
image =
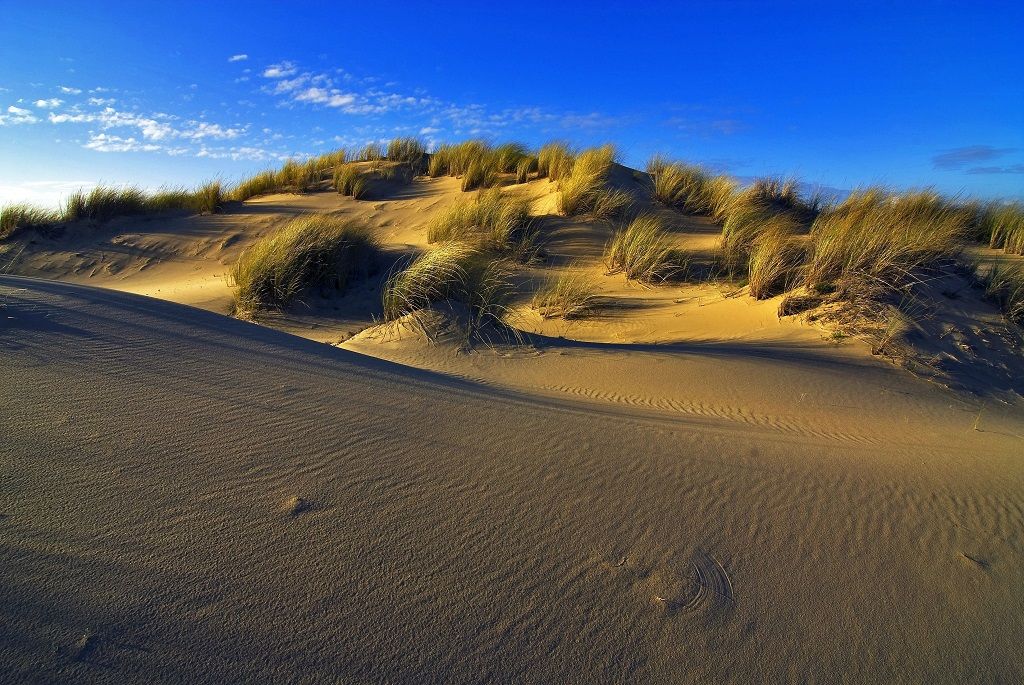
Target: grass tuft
{"type": "Point", "coordinates": [408, 151]}
{"type": "Point", "coordinates": [18, 217]}
{"type": "Point", "coordinates": [585, 191]}
{"type": "Point", "coordinates": [493, 220]}
{"type": "Point", "coordinates": [316, 250]}
{"type": "Point", "coordinates": [887, 239]}
{"type": "Point", "coordinates": [452, 271]}
{"type": "Point", "coordinates": [1004, 284]}
{"type": "Point", "coordinates": [554, 160]}
{"type": "Point", "coordinates": [642, 251]}
{"type": "Point", "coordinates": [690, 188]}
{"type": "Point", "coordinates": [570, 296]}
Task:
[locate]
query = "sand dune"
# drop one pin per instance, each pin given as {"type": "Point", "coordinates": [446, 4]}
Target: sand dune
{"type": "Point", "coordinates": [683, 487]}
{"type": "Point", "coordinates": [189, 497]}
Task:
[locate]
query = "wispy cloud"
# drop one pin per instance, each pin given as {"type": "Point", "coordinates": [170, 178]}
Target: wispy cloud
{"type": "Point", "coordinates": [1009, 169]}
{"type": "Point", "coordinates": [51, 103]}
{"type": "Point", "coordinates": [238, 58]}
{"type": "Point", "coordinates": [68, 90]}
{"type": "Point", "coordinates": [958, 158]}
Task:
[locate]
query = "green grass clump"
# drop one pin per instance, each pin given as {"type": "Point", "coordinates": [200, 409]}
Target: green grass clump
{"type": "Point", "coordinates": [408, 151]}
{"type": "Point", "coordinates": [742, 229]}
{"type": "Point", "coordinates": [208, 198]}
{"type": "Point", "coordinates": [889, 240]}
{"type": "Point", "coordinates": [263, 183]}
{"type": "Point", "coordinates": [493, 220]}
{"type": "Point", "coordinates": [371, 152]}
{"type": "Point", "coordinates": [554, 160]}
{"type": "Point", "coordinates": [585, 191]}
{"type": "Point", "coordinates": [508, 155]}
{"type": "Point", "coordinates": [1002, 225]}
{"type": "Point", "coordinates": [524, 168]}
{"type": "Point", "coordinates": [316, 250]}
{"type": "Point", "coordinates": [774, 263]}
{"type": "Point", "coordinates": [570, 296]}
{"type": "Point", "coordinates": [1004, 283]}
{"type": "Point", "coordinates": [105, 202]}
{"type": "Point", "coordinates": [690, 188]}
{"type": "Point", "coordinates": [643, 252]}
{"type": "Point", "coordinates": [349, 180]}
{"type": "Point", "coordinates": [452, 271]}
{"type": "Point", "coordinates": [482, 173]}
{"type": "Point", "coordinates": [18, 217]}
{"type": "Point", "coordinates": [440, 161]}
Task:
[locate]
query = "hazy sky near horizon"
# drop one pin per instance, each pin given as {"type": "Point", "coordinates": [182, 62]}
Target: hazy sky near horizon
{"type": "Point", "coordinates": [839, 94]}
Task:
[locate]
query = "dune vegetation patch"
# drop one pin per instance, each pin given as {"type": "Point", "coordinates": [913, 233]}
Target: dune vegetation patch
{"type": "Point", "coordinates": [570, 295]}
{"type": "Point", "coordinates": [643, 252]}
{"type": "Point", "coordinates": [690, 188]}
{"type": "Point", "coordinates": [554, 160]}
{"type": "Point", "coordinates": [584, 190]}
{"type": "Point", "coordinates": [103, 203]}
{"type": "Point", "coordinates": [456, 273]}
{"type": "Point", "coordinates": [313, 251]}
{"type": "Point", "coordinates": [1004, 284]}
{"type": "Point", "coordinates": [492, 220]}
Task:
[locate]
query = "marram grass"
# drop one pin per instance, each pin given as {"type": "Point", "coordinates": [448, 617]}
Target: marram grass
{"type": "Point", "coordinates": [642, 251]}
{"type": "Point", "coordinates": [312, 251]}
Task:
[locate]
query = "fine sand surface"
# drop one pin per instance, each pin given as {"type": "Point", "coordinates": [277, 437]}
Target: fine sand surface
{"type": "Point", "coordinates": [449, 532]}
{"type": "Point", "coordinates": [683, 488]}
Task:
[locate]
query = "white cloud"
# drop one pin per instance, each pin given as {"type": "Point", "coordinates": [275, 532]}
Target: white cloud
{"type": "Point", "coordinates": [49, 104]}
{"type": "Point", "coordinates": [238, 58]}
{"type": "Point", "coordinates": [429, 130]}
{"type": "Point", "coordinates": [100, 102]}
{"type": "Point", "coordinates": [17, 115]}
{"type": "Point", "coordinates": [202, 129]}
{"type": "Point", "coordinates": [280, 70]}
{"type": "Point", "coordinates": [70, 91]}
{"type": "Point", "coordinates": [102, 142]}
{"type": "Point", "coordinates": [322, 96]}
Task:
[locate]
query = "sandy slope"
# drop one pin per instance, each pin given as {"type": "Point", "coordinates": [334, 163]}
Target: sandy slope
{"type": "Point", "coordinates": [457, 532]}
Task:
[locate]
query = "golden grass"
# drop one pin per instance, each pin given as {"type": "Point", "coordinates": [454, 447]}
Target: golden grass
{"type": "Point", "coordinates": [690, 188]}
{"type": "Point", "coordinates": [508, 155]}
{"type": "Point", "coordinates": [643, 252]}
{"type": "Point", "coordinates": [884, 238]}
{"type": "Point", "coordinates": [481, 173]}
{"type": "Point", "coordinates": [453, 271]}
{"type": "Point", "coordinates": [349, 180]}
{"type": "Point", "coordinates": [493, 220]}
{"type": "Point", "coordinates": [371, 152]}
{"type": "Point", "coordinates": [1004, 283]}
{"type": "Point", "coordinates": [408, 151]}
{"type": "Point", "coordinates": [1002, 226]}
{"type": "Point", "coordinates": [774, 263]}
{"type": "Point", "coordinates": [572, 295]}
{"type": "Point", "coordinates": [554, 160]}
{"type": "Point", "coordinates": [524, 168]}
{"type": "Point", "coordinates": [316, 250]}
{"type": "Point", "coordinates": [745, 224]}
{"type": "Point", "coordinates": [23, 216]}
{"type": "Point", "coordinates": [585, 191]}
{"type": "Point", "coordinates": [103, 203]}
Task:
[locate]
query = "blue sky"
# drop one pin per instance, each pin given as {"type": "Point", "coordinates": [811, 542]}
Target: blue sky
{"type": "Point", "coordinates": [841, 94]}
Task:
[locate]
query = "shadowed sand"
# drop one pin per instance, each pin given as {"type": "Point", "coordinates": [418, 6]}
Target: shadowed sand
{"type": "Point", "coordinates": [190, 497]}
